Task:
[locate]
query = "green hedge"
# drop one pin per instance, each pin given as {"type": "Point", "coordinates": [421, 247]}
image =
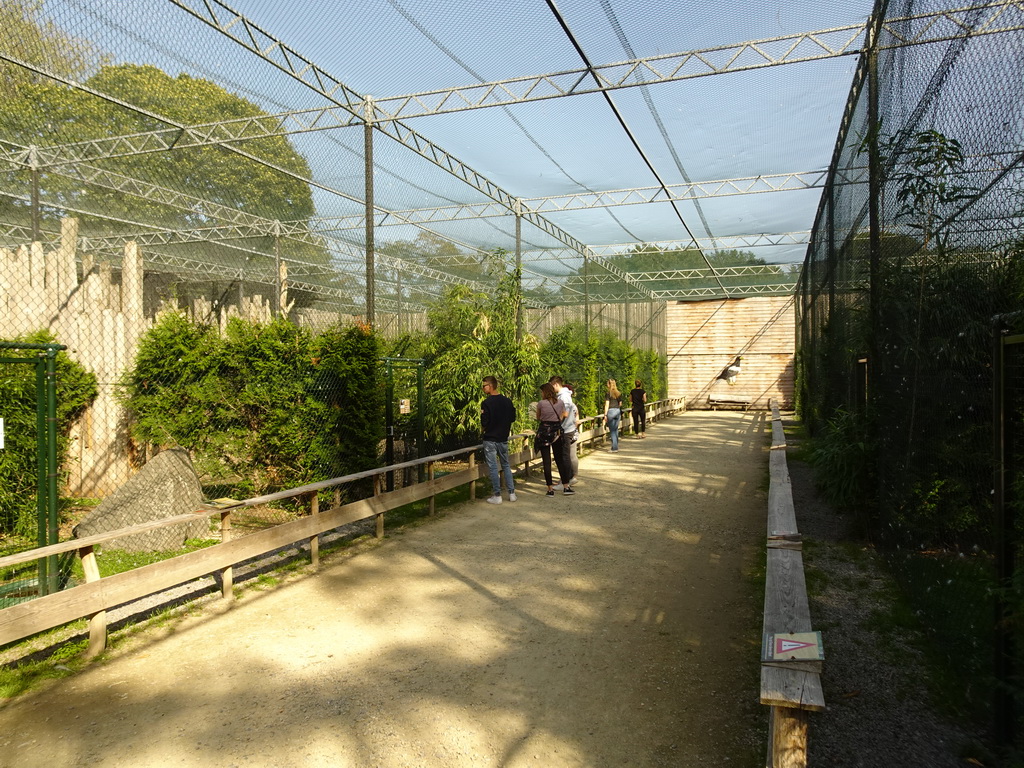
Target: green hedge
{"type": "Point", "coordinates": [587, 366]}
{"type": "Point", "coordinates": [263, 407]}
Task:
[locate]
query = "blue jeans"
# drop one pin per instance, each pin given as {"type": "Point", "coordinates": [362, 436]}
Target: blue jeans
{"type": "Point", "coordinates": [493, 453]}
{"type": "Point", "coordinates": [612, 422]}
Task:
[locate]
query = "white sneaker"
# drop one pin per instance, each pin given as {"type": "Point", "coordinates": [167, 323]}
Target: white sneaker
{"type": "Point", "coordinates": [557, 486]}
{"type": "Point", "coordinates": [574, 481]}
{"type": "Point", "coordinates": [512, 496]}
{"type": "Point", "coordinates": [494, 499]}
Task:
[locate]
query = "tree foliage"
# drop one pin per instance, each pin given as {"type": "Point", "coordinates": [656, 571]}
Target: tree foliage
{"type": "Point", "coordinates": [76, 389]}
{"type": "Point", "coordinates": [473, 335]}
{"type": "Point", "coordinates": [44, 111]}
{"type": "Point", "coordinates": [29, 37]}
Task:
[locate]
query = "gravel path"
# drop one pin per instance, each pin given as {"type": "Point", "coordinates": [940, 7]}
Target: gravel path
{"type": "Point", "coordinates": [619, 627]}
{"type": "Point", "coordinates": [616, 627]}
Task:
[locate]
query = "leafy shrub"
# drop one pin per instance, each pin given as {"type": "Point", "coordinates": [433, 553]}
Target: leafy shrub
{"type": "Point", "coordinates": [588, 366]}
{"type": "Point", "coordinates": [76, 389]}
{"type": "Point", "coordinates": [841, 457]}
{"type": "Point", "coordinates": [263, 408]}
{"type": "Point", "coordinates": [473, 335]}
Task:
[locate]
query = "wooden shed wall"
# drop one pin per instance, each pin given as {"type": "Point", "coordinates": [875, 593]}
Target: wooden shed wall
{"type": "Point", "coordinates": [705, 336]}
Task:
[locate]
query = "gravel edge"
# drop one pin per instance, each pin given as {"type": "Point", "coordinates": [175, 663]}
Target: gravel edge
{"type": "Point", "coordinates": [879, 708]}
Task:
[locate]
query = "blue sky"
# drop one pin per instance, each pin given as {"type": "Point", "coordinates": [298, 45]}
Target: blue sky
{"type": "Point", "coordinates": [777, 120]}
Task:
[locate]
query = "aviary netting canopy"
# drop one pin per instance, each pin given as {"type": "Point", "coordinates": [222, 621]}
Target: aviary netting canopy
{"type": "Point", "coordinates": [228, 140]}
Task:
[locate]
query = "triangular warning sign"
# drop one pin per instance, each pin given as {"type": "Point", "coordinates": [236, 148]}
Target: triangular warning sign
{"type": "Point", "coordinates": [782, 645]}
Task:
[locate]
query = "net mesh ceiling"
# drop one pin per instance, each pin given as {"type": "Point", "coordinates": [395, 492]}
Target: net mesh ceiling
{"type": "Point", "coordinates": [743, 147]}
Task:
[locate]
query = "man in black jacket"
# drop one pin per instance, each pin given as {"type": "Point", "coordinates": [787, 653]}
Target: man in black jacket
{"type": "Point", "coordinates": [497, 413]}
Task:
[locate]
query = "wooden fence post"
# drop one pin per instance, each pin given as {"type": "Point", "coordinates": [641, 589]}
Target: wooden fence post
{"type": "Point", "coordinates": [472, 484]}
{"type": "Point", "coordinates": [226, 575]}
{"type": "Point", "coordinates": [314, 541]}
{"type": "Point", "coordinates": [788, 738]}
{"type": "Point", "coordinates": [377, 490]}
{"type": "Point", "coordinates": [430, 479]}
{"type": "Point", "coordinates": [98, 620]}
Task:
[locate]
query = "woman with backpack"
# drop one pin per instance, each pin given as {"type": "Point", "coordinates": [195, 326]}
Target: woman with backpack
{"type": "Point", "coordinates": [550, 413]}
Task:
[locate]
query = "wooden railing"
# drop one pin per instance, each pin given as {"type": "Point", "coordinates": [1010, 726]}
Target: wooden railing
{"type": "Point", "coordinates": [790, 686]}
{"type": "Point", "coordinates": [97, 595]}
{"type": "Point", "coordinates": [592, 429]}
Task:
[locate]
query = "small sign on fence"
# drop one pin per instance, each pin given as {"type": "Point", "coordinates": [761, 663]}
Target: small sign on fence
{"type": "Point", "coordinates": [404, 406]}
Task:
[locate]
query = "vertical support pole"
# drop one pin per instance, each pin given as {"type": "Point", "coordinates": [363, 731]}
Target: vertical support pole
{"type": "Point", "coordinates": [377, 485]}
{"type": "Point", "coordinates": [337, 496]}
{"type": "Point", "coordinates": [832, 256]}
{"type": "Point", "coordinates": [98, 620]}
{"type": "Point", "coordinates": [37, 226]}
{"type": "Point", "coordinates": [430, 479]}
{"type": "Point", "coordinates": [368, 178]}
{"type": "Point", "coordinates": [51, 463]}
{"type": "Point", "coordinates": [875, 186]}
{"type": "Point", "coordinates": [518, 209]}
{"type": "Point", "coordinates": [314, 541]}
{"type": "Point", "coordinates": [628, 340]}
{"type": "Point", "coordinates": [586, 296]}
{"type": "Point", "coordinates": [472, 484]}
{"type": "Point", "coordinates": [41, 490]}
{"type": "Point", "coordinates": [650, 325]}
{"type": "Point", "coordinates": [389, 423]}
{"type": "Point", "coordinates": [278, 283]}
{"type": "Point", "coordinates": [398, 297]}
{"type": "Point", "coordinates": [227, 575]}
{"type": "Point", "coordinates": [421, 407]}
{"type": "Point", "coordinates": [1004, 448]}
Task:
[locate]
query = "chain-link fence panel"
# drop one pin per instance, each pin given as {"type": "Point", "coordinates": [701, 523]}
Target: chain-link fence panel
{"type": "Point", "coordinates": [917, 249]}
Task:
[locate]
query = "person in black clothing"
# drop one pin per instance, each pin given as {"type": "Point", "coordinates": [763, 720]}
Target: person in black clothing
{"type": "Point", "coordinates": [638, 398]}
{"type": "Point", "coordinates": [497, 413]}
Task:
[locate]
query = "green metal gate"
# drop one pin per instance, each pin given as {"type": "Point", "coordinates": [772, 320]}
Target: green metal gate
{"type": "Point", "coordinates": [44, 360]}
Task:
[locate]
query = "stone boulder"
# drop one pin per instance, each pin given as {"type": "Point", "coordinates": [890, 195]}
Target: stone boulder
{"type": "Point", "coordinates": [165, 487]}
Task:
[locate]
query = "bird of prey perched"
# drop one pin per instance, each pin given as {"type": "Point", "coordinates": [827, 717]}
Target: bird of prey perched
{"type": "Point", "coordinates": [731, 371]}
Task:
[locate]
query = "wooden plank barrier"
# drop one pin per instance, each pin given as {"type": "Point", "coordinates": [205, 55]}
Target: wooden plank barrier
{"type": "Point", "coordinates": [791, 687]}
{"type": "Point", "coordinates": [97, 595]}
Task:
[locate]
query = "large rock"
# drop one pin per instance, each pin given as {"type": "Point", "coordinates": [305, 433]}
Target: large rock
{"type": "Point", "coordinates": [165, 487]}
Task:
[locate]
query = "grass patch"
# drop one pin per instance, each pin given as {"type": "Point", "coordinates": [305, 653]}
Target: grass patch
{"type": "Point", "coordinates": [65, 661]}
{"type": "Point", "coordinates": [111, 561]}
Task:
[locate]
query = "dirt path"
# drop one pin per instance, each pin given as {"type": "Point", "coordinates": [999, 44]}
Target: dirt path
{"type": "Point", "coordinates": [618, 627]}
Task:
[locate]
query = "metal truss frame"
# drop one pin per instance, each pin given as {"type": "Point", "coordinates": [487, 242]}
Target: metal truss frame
{"type": "Point", "coordinates": [698, 190]}
{"type": "Point", "coordinates": [756, 54]}
{"type": "Point", "coordinates": [352, 108]}
{"type": "Point", "coordinates": [236, 27]}
{"type": "Point", "coordinates": [719, 242]}
{"type": "Point", "coordinates": [690, 274]}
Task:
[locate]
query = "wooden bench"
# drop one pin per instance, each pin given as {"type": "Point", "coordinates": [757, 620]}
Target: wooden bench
{"type": "Point", "coordinates": [719, 399]}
